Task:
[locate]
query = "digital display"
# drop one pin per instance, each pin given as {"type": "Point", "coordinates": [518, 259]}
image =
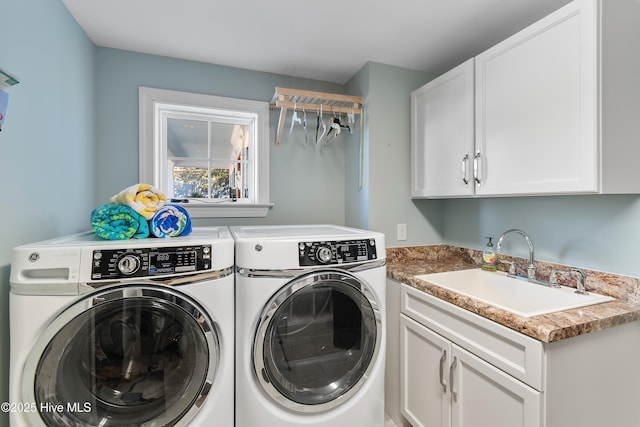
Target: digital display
{"type": "Point", "coordinates": [354, 252]}
{"type": "Point", "coordinates": [172, 262]}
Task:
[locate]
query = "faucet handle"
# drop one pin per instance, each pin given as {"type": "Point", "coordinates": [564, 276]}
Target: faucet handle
{"type": "Point", "coordinates": [553, 278]}
{"type": "Point", "coordinates": [531, 271]}
{"type": "Point", "coordinates": [581, 279]}
{"type": "Point", "coordinates": [512, 266]}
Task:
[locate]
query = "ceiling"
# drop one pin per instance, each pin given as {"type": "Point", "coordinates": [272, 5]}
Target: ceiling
{"type": "Point", "coordinates": [327, 40]}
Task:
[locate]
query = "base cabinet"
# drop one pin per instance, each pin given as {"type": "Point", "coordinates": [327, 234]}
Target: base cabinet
{"type": "Point", "coordinates": [485, 396]}
{"type": "Point", "coordinates": [425, 395]}
{"type": "Point", "coordinates": [462, 370]}
{"type": "Point", "coordinates": [456, 388]}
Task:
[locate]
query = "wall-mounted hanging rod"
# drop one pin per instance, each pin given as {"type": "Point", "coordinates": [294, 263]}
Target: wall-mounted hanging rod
{"type": "Point", "coordinates": [311, 101]}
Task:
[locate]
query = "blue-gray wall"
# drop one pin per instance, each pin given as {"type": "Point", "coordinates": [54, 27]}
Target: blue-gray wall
{"type": "Point", "coordinates": [46, 144]}
{"type": "Point", "coordinates": [600, 232]}
{"type": "Point", "coordinates": [306, 180]}
{"type": "Point", "coordinates": [357, 152]}
{"type": "Point", "coordinates": [384, 201]}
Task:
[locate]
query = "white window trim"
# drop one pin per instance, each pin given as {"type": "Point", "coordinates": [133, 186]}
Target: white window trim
{"type": "Point", "coordinates": [150, 98]}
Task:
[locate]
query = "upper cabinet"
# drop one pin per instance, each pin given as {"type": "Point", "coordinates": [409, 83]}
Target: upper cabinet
{"type": "Point", "coordinates": [556, 109]}
{"type": "Point", "coordinates": [442, 135]}
{"type": "Point", "coordinates": [536, 108]}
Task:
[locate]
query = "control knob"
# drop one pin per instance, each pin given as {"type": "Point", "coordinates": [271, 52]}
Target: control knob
{"type": "Point", "coordinates": [128, 264]}
{"type": "Point", "coordinates": [324, 254]}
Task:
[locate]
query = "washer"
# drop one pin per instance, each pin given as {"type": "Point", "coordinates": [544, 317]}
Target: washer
{"type": "Point", "coordinates": [310, 326]}
{"type": "Point", "coordinates": [123, 333]}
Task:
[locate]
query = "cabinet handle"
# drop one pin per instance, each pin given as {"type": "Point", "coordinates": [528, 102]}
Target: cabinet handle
{"type": "Point", "coordinates": [465, 159]}
{"type": "Point", "coordinates": [476, 167]}
{"type": "Point", "coordinates": [442, 360]}
{"type": "Point", "coordinates": [454, 395]}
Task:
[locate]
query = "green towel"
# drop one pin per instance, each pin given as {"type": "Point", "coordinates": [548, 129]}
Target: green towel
{"type": "Point", "coordinates": [118, 222]}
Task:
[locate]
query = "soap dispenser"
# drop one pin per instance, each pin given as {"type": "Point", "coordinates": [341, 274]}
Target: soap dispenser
{"type": "Point", "coordinates": [489, 256]}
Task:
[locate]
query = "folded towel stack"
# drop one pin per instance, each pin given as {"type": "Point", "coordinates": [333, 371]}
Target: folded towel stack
{"type": "Point", "coordinates": [143, 198]}
{"type": "Point", "coordinates": [170, 221]}
{"type": "Point", "coordinates": [138, 212]}
{"type": "Point", "coordinates": [118, 222]}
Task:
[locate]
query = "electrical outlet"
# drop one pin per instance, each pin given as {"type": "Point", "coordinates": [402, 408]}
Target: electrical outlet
{"type": "Point", "coordinates": [402, 231]}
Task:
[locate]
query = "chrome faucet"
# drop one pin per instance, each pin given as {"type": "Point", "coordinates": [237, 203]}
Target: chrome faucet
{"type": "Point", "coordinates": [531, 269]}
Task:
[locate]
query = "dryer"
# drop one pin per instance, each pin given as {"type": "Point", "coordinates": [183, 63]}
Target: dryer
{"type": "Point", "coordinates": [310, 326]}
{"type": "Point", "coordinates": [123, 333]}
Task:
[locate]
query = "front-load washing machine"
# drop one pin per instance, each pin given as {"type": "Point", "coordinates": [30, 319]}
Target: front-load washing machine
{"type": "Point", "coordinates": [123, 333]}
{"type": "Point", "coordinates": [310, 326]}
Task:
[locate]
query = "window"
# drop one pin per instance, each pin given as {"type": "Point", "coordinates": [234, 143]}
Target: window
{"type": "Point", "coordinates": [210, 152]}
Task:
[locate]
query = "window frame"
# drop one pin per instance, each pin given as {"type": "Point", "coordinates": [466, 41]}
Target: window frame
{"type": "Point", "coordinates": [152, 101]}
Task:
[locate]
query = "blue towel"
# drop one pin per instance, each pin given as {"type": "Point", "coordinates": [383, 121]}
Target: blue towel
{"type": "Point", "coordinates": [170, 221]}
{"type": "Point", "coordinates": [118, 222]}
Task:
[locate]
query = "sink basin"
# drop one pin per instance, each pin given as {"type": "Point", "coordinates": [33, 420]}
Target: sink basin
{"type": "Point", "coordinates": [515, 295]}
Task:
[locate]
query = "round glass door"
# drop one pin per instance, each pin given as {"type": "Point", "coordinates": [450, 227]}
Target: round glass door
{"type": "Point", "coordinates": [317, 340]}
{"type": "Point", "coordinates": [130, 356]}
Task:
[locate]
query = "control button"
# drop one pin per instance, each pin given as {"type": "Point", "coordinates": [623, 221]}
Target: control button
{"type": "Point", "coordinates": [97, 255]}
{"type": "Point", "coordinates": [324, 254]}
{"type": "Point", "coordinates": [205, 249]}
{"type": "Point", "coordinates": [128, 264]}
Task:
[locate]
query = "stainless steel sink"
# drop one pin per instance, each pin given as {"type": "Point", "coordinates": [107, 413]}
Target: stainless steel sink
{"type": "Point", "coordinates": [511, 294]}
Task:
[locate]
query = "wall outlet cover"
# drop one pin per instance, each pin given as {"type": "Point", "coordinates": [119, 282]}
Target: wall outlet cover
{"type": "Point", "coordinates": [402, 231]}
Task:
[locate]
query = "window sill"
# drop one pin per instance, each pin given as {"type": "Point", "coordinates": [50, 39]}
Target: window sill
{"type": "Point", "coordinates": [226, 210]}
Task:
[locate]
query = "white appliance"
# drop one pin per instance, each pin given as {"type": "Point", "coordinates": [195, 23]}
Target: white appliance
{"type": "Point", "coordinates": [310, 326]}
{"type": "Point", "coordinates": [123, 333]}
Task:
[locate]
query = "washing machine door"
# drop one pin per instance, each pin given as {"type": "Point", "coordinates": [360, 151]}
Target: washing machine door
{"type": "Point", "coordinates": [317, 340]}
{"type": "Point", "coordinates": [135, 355]}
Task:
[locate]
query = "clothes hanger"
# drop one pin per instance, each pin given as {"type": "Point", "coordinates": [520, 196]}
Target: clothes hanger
{"type": "Point", "coordinates": [324, 127]}
{"type": "Point", "coordinates": [335, 127]}
{"type": "Point", "coordinates": [304, 123]}
{"type": "Point", "coordinates": [351, 120]}
{"type": "Point", "coordinates": [317, 124]}
{"type": "Point", "coordinates": [351, 117]}
{"type": "Point", "coordinates": [347, 127]}
{"type": "Point", "coordinates": [294, 118]}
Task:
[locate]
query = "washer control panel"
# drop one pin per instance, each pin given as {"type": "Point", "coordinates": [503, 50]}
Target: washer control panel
{"type": "Point", "coordinates": [149, 262]}
{"type": "Point", "coordinates": [336, 252]}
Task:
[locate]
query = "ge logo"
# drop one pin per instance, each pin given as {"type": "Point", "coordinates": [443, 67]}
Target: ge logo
{"type": "Point", "coordinates": [34, 256]}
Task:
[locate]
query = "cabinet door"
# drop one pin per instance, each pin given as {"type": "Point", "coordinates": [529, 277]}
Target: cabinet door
{"type": "Point", "coordinates": [442, 135]}
{"type": "Point", "coordinates": [424, 361]}
{"type": "Point", "coordinates": [536, 115]}
{"type": "Point", "coordinates": [483, 395]}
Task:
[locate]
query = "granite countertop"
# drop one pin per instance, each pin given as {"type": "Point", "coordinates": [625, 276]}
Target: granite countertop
{"type": "Point", "coordinates": [405, 263]}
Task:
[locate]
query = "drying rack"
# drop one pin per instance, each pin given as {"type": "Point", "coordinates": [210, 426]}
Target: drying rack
{"type": "Point", "coordinates": [310, 101]}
